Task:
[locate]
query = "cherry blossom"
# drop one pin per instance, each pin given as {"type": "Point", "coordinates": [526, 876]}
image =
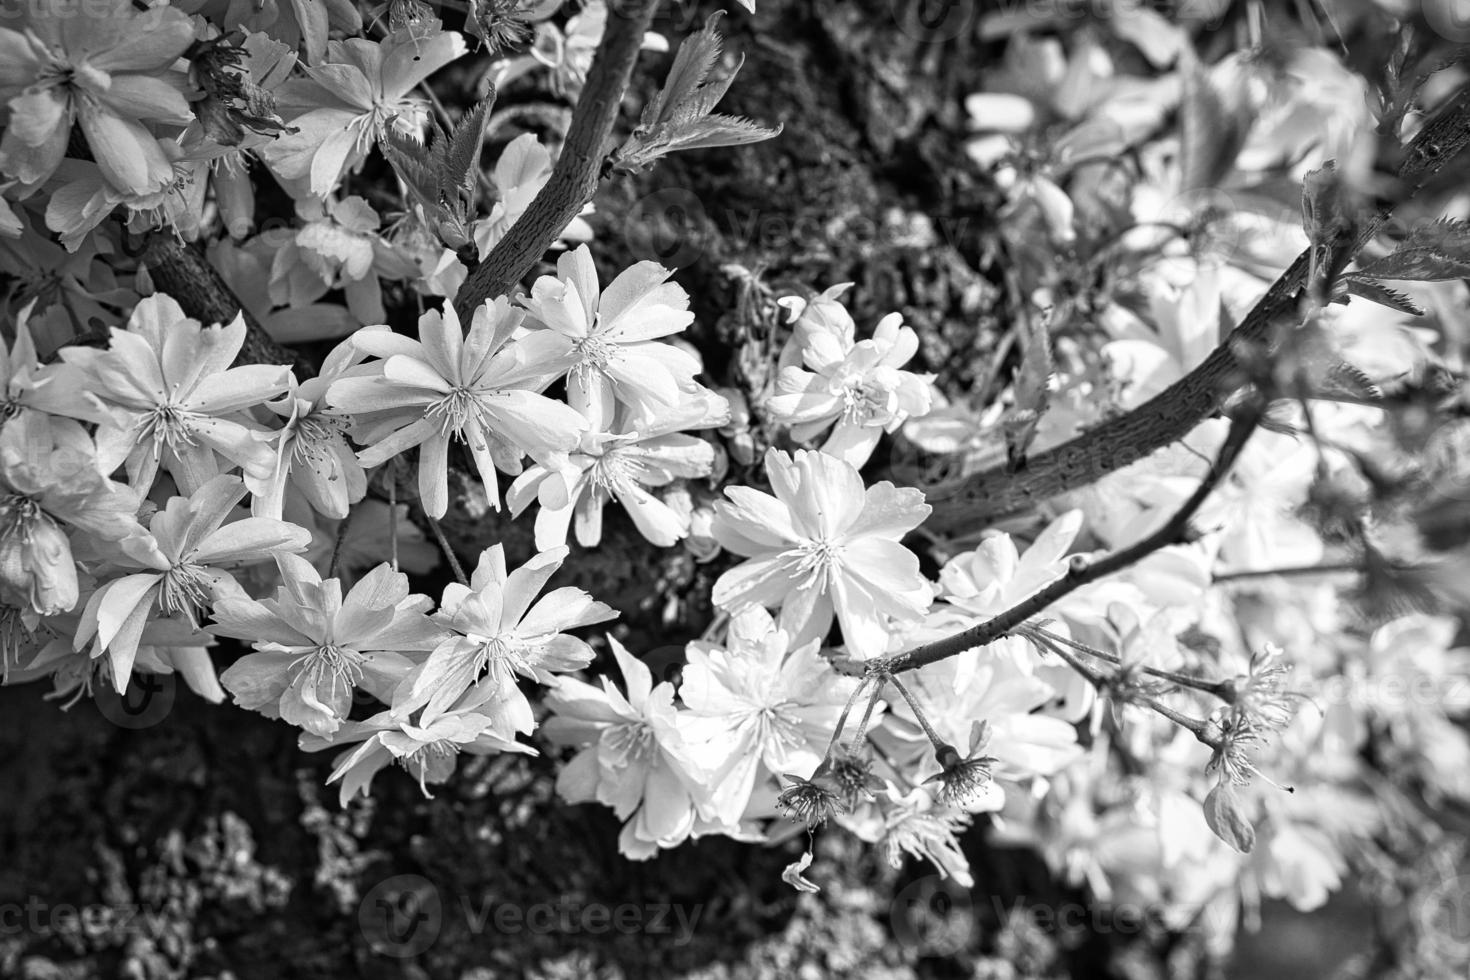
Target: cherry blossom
{"type": "Point", "coordinates": [823, 544]}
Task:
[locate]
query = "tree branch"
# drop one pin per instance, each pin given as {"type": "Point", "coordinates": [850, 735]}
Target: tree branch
{"type": "Point", "coordinates": [1082, 572]}
{"type": "Point", "coordinates": [578, 169]}
{"type": "Point", "coordinates": [182, 271]}
{"type": "Point", "coordinates": [1169, 416]}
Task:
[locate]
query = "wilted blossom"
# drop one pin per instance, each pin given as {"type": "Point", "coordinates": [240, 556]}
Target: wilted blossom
{"type": "Point", "coordinates": [623, 464]}
{"type": "Point", "coordinates": [823, 544]}
{"type": "Point", "coordinates": [915, 824]}
{"type": "Point", "coordinates": [480, 389]}
{"type": "Point", "coordinates": [165, 395]}
{"type": "Point", "coordinates": [49, 483]}
{"type": "Point", "coordinates": [315, 646]}
{"type": "Point", "coordinates": [180, 566]}
{"type": "Point", "coordinates": [634, 757]}
{"type": "Point", "coordinates": [860, 387]}
{"type": "Point", "coordinates": [610, 338]}
{"type": "Point", "coordinates": [106, 66]}
{"type": "Point", "coordinates": [499, 632]}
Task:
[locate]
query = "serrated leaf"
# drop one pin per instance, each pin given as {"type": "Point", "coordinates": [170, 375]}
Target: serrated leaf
{"type": "Point", "coordinates": [1343, 379]}
{"type": "Point", "coordinates": [1212, 127]}
{"type": "Point", "coordinates": [410, 161]}
{"type": "Point", "coordinates": [1429, 253]}
{"type": "Point", "coordinates": [681, 115]}
{"type": "Point", "coordinates": [1324, 217]}
{"type": "Point", "coordinates": [1225, 813]}
{"type": "Point", "coordinates": [1371, 289]}
{"type": "Point", "coordinates": [462, 156]}
{"type": "Point", "coordinates": [442, 177]}
{"type": "Point", "coordinates": [693, 62]}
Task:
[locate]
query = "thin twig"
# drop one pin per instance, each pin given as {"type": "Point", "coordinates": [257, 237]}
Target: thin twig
{"type": "Point", "coordinates": [1204, 684]}
{"type": "Point", "coordinates": [1168, 417]}
{"type": "Point", "coordinates": [1174, 531]}
{"type": "Point", "coordinates": [342, 527]}
{"type": "Point", "coordinates": [1289, 571]}
{"type": "Point", "coordinates": [444, 546]}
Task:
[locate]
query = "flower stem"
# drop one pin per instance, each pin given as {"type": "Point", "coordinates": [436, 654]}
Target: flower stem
{"type": "Point", "coordinates": [454, 564]}
{"type": "Point", "coordinates": [934, 738]}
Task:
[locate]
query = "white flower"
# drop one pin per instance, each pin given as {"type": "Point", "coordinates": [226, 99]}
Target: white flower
{"type": "Point", "coordinates": [610, 338]}
{"type": "Point", "coordinates": [183, 564]}
{"type": "Point", "coordinates": [166, 396]}
{"type": "Point", "coordinates": [621, 465]}
{"type": "Point", "coordinates": [823, 544]}
{"type": "Point", "coordinates": [858, 386]}
{"type": "Point", "coordinates": [500, 631]}
{"type": "Point", "coordinates": [634, 757]}
{"type": "Point", "coordinates": [315, 647]}
{"type": "Point", "coordinates": [757, 705]}
{"type": "Point", "coordinates": [312, 454]}
{"type": "Point", "coordinates": [362, 90]}
{"type": "Point", "coordinates": [479, 388]}
{"type": "Point", "coordinates": [428, 751]}
{"type": "Point", "coordinates": [983, 684]}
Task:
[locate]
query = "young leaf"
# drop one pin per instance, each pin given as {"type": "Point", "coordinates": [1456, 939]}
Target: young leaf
{"type": "Point", "coordinates": [1226, 815]}
{"type": "Point", "coordinates": [1213, 124]}
{"type": "Point", "coordinates": [442, 178]}
{"type": "Point", "coordinates": [1032, 386]}
{"type": "Point", "coordinates": [1430, 253]}
{"type": "Point", "coordinates": [1371, 289]}
{"type": "Point", "coordinates": [681, 115]}
{"type": "Point", "coordinates": [1324, 217]}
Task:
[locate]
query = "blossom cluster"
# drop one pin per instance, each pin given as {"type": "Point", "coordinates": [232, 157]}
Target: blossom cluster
{"type": "Point", "coordinates": [157, 495]}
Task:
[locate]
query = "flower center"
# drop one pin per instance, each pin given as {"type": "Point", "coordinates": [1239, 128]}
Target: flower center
{"type": "Point", "coordinates": [615, 472]}
{"type": "Point", "coordinates": [167, 424]}
{"type": "Point", "coordinates": [430, 762]}
{"type": "Point", "coordinates": [630, 743]}
{"type": "Point", "coordinates": [864, 401]}
{"type": "Point", "coordinates": [18, 516]}
{"type": "Point", "coordinates": [499, 657]}
{"type": "Point", "coordinates": [455, 409]}
{"type": "Point", "coordinates": [593, 352]}
{"type": "Point", "coordinates": [316, 434]}
{"type": "Point", "coordinates": [185, 588]}
{"type": "Point", "coordinates": [330, 668]}
{"type": "Point", "coordinates": [819, 560]}
{"type": "Point", "coordinates": [16, 641]}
